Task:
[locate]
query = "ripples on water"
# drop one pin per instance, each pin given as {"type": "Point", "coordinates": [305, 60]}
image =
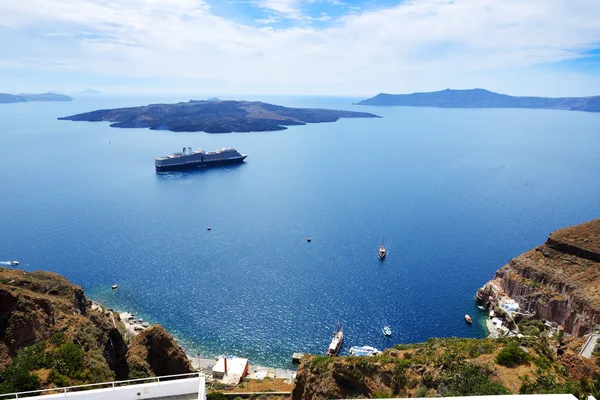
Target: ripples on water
{"type": "Point", "coordinates": [455, 193]}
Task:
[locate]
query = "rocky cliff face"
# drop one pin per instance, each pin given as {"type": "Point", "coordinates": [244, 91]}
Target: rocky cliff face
{"type": "Point", "coordinates": [154, 352]}
{"type": "Point", "coordinates": [559, 280]}
{"type": "Point", "coordinates": [34, 306]}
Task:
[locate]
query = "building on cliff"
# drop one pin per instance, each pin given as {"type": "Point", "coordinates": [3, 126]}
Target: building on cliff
{"type": "Point", "coordinates": [558, 281]}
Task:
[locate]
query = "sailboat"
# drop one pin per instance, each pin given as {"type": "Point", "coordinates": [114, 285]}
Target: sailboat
{"type": "Point", "coordinates": [336, 341]}
{"type": "Point", "coordinates": [382, 252]}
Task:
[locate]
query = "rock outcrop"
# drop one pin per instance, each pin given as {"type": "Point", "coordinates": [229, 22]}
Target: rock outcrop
{"type": "Point", "coordinates": [155, 352]}
{"type": "Point", "coordinates": [560, 280]}
{"type": "Point", "coordinates": [36, 306]}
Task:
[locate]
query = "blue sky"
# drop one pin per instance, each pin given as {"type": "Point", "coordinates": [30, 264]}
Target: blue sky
{"type": "Point", "coordinates": [328, 47]}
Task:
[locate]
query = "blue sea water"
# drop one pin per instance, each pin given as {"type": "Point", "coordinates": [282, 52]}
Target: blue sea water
{"type": "Point", "coordinates": [455, 193]}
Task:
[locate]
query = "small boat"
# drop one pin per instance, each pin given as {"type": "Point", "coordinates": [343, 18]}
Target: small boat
{"type": "Point", "coordinates": [145, 325]}
{"type": "Point", "coordinates": [363, 351]}
{"type": "Point", "coordinates": [482, 308]}
{"type": "Point", "coordinates": [468, 318]}
{"type": "Point", "coordinates": [336, 341]}
{"type": "Point", "coordinates": [382, 252]}
{"type": "Point", "coordinates": [387, 331]}
{"type": "Point", "coordinates": [13, 263]}
{"type": "Point", "coordinates": [115, 286]}
{"type": "Point", "coordinates": [309, 240]}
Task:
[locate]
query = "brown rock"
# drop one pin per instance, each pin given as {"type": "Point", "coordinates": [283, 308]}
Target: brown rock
{"type": "Point", "coordinates": [154, 352]}
{"type": "Point", "coordinates": [559, 280]}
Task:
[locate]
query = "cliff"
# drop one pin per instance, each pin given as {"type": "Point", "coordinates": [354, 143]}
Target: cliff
{"type": "Point", "coordinates": [214, 116]}
{"type": "Point", "coordinates": [449, 367]}
{"type": "Point", "coordinates": [51, 335]}
{"type": "Point", "coordinates": [23, 97]}
{"type": "Point", "coordinates": [559, 280]}
{"type": "Point", "coordinates": [481, 98]}
{"type": "Point", "coordinates": [154, 353]}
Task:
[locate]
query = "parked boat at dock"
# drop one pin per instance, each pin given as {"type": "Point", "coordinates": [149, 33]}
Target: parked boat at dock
{"type": "Point", "coordinates": [336, 341]}
{"type": "Point", "coordinates": [363, 351]}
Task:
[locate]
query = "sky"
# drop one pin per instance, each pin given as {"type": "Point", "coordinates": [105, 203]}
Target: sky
{"type": "Point", "coordinates": [309, 47]}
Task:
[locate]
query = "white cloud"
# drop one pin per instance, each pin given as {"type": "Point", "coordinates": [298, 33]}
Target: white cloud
{"type": "Point", "coordinates": [416, 45]}
{"type": "Point", "coordinates": [285, 8]}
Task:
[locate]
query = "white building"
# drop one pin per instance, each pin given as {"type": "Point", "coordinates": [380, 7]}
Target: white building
{"type": "Point", "coordinates": [231, 370]}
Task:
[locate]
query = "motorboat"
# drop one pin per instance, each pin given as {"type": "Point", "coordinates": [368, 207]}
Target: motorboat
{"type": "Point", "coordinates": [382, 252]}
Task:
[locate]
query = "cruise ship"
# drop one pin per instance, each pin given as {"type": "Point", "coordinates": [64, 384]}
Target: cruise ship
{"type": "Point", "coordinates": [189, 158]}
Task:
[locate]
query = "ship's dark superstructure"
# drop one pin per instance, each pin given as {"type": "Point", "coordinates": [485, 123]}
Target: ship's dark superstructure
{"type": "Point", "coordinates": [189, 158]}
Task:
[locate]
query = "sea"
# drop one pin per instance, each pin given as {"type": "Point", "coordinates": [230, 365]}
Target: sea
{"type": "Point", "coordinates": [453, 193]}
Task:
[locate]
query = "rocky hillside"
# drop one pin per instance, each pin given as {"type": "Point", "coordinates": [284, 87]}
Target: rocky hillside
{"type": "Point", "coordinates": [215, 116]}
{"type": "Point", "coordinates": [481, 98]}
{"type": "Point", "coordinates": [50, 335]}
{"type": "Point", "coordinates": [450, 367]}
{"type": "Point", "coordinates": [559, 280]}
{"type": "Point", "coordinates": [23, 97]}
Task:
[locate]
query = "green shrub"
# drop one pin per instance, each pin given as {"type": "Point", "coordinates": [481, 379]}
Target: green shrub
{"type": "Point", "coordinates": [512, 355]}
{"type": "Point", "coordinates": [58, 379]}
{"type": "Point", "coordinates": [17, 378]}
{"type": "Point", "coordinates": [32, 357]}
{"type": "Point", "coordinates": [58, 339]}
{"type": "Point", "coordinates": [216, 396]}
{"type": "Point", "coordinates": [399, 379]}
{"type": "Point", "coordinates": [320, 363]}
{"type": "Point", "coordinates": [421, 391]}
{"type": "Point", "coordinates": [466, 379]}
{"type": "Point", "coordinates": [69, 360]}
{"type": "Point", "coordinates": [542, 363]}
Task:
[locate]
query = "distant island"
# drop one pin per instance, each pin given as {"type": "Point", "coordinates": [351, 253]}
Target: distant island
{"type": "Point", "coordinates": [23, 97]}
{"type": "Point", "coordinates": [89, 92]}
{"type": "Point", "coordinates": [481, 98]}
{"type": "Point", "coordinates": [215, 116]}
